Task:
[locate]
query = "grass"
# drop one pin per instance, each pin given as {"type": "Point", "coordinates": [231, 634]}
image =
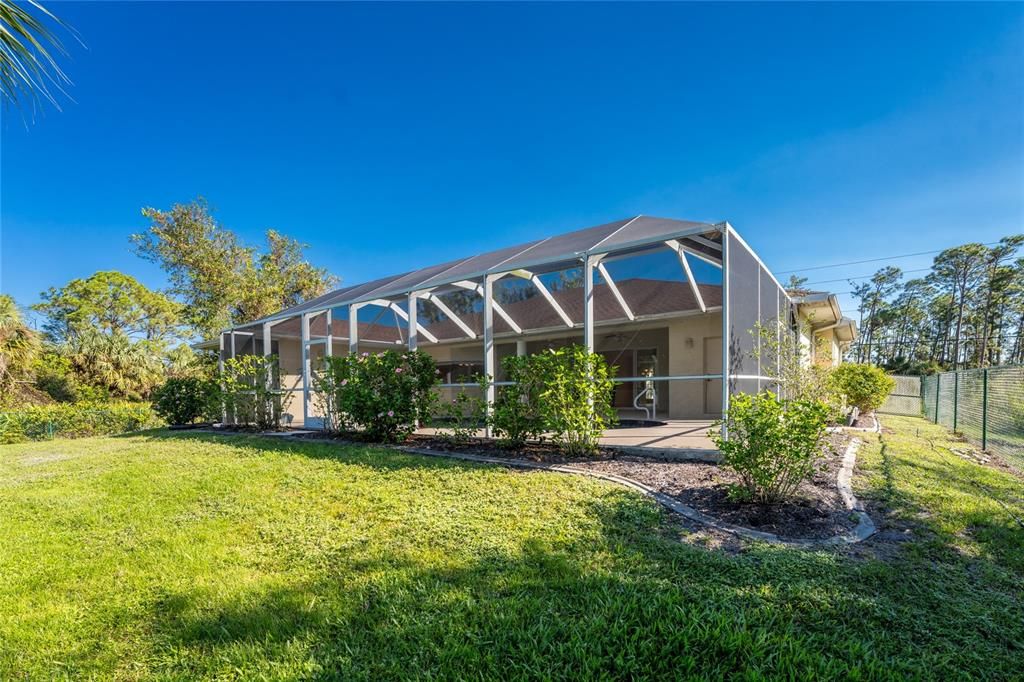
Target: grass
{"type": "Point", "coordinates": [182, 557]}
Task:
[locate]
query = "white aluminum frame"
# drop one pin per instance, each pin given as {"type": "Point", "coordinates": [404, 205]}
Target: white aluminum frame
{"type": "Point", "coordinates": [590, 260]}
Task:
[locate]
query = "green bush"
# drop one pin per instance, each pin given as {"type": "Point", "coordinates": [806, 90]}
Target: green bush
{"type": "Point", "coordinates": [385, 393]}
{"type": "Point", "coordinates": [55, 376]}
{"type": "Point", "coordinates": [574, 394]}
{"type": "Point", "coordinates": [461, 417]}
{"type": "Point", "coordinates": [79, 420]}
{"type": "Point", "coordinates": [249, 391]}
{"type": "Point", "coordinates": [772, 444]}
{"type": "Point", "coordinates": [183, 400]}
{"type": "Point", "coordinates": [517, 415]}
{"type": "Point", "coordinates": [864, 386]}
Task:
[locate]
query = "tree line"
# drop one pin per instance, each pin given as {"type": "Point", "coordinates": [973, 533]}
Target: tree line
{"type": "Point", "coordinates": [108, 336]}
{"type": "Point", "coordinates": [966, 312]}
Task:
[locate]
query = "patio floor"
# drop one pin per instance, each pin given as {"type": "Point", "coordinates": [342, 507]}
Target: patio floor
{"type": "Point", "coordinates": [676, 438]}
{"type": "Point", "coordinates": [680, 437]}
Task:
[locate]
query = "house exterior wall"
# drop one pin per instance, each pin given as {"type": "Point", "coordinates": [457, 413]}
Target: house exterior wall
{"type": "Point", "coordinates": [679, 345]}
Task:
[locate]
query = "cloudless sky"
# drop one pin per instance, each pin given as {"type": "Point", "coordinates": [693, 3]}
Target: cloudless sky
{"type": "Point", "coordinates": [391, 136]}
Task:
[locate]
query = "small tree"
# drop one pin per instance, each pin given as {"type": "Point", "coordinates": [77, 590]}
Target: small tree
{"type": "Point", "coordinates": [779, 349]}
{"type": "Point", "coordinates": [385, 394]}
{"type": "Point", "coordinates": [773, 444]}
{"type": "Point", "coordinates": [249, 391]}
{"type": "Point", "coordinates": [574, 392]}
{"type": "Point", "coordinates": [864, 386]}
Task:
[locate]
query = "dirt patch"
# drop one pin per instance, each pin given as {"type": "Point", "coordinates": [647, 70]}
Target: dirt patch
{"type": "Point", "coordinates": [864, 421]}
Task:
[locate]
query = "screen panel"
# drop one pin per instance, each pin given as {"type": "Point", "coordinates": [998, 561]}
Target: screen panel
{"type": "Point", "coordinates": [754, 306]}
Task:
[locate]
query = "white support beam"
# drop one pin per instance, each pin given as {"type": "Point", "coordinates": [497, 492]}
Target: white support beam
{"type": "Point", "coordinates": [466, 329]}
{"type": "Point", "coordinates": [690, 278]}
{"type": "Point", "coordinates": [329, 346]}
{"type": "Point", "coordinates": [353, 328]}
{"type": "Point", "coordinates": [676, 245]}
{"type": "Point", "coordinates": [551, 299]}
{"type": "Point", "coordinates": [615, 291]}
{"type": "Point", "coordinates": [410, 318]}
{"type": "Point", "coordinates": [726, 329]}
{"type": "Point", "coordinates": [489, 371]}
{"type": "Point", "coordinates": [536, 281]}
{"type": "Point", "coordinates": [588, 302]}
{"type": "Point", "coordinates": [405, 316]}
{"type": "Point", "coordinates": [473, 286]}
{"type": "Point", "coordinates": [305, 368]}
{"type": "Point", "coordinates": [266, 354]}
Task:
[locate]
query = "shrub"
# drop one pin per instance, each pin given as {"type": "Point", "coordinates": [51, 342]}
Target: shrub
{"type": "Point", "coordinates": [574, 394]}
{"type": "Point", "coordinates": [772, 444]}
{"type": "Point", "coordinates": [249, 391]}
{"type": "Point", "coordinates": [462, 417]}
{"type": "Point", "coordinates": [864, 386]}
{"type": "Point", "coordinates": [55, 376]}
{"type": "Point", "coordinates": [800, 379]}
{"type": "Point", "coordinates": [385, 393]}
{"type": "Point", "coordinates": [517, 414]}
{"type": "Point", "coordinates": [79, 420]}
{"type": "Point", "coordinates": [183, 400]}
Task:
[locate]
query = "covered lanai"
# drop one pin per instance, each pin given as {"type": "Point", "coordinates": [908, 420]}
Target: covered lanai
{"type": "Point", "coordinates": [656, 296]}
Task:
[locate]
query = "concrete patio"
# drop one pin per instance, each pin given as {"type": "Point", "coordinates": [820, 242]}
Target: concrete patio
{"type": "Point", "coordinates": [674, 438]}
{"type": "Point", "coordinates": [685, 438]}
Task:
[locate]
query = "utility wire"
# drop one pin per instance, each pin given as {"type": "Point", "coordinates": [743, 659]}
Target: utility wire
{"type": "Point", "coordinates": [872, 260]}
{"type": "Point", "coordinates": [850, 279]}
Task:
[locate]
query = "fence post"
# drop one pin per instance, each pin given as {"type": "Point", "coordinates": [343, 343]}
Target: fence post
{"type": "Point", "coordinates": [938, 382]}
{"type": "Point", "coordinates": [984, 409]}
{"type": "Point", "coordinates": [956, 393]}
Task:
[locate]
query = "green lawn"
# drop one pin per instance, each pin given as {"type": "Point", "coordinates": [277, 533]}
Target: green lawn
{"type": "Point", "coordinates": [189, 556]}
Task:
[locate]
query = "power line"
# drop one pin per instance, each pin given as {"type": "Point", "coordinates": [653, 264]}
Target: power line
{"type": "Point", "coordinates": [870, 260]}
{"type": "Point", "coordinates": [848, 279]}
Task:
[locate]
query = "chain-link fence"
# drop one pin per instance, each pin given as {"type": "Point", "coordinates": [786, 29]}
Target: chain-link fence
{"type": "Point", "coordinates": [985, 405]}
{"type": "Point", "coordinates": [905, 398]}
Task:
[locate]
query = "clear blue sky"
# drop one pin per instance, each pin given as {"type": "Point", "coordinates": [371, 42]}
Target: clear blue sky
{"type": "Point", "coordinates": [389, 136]}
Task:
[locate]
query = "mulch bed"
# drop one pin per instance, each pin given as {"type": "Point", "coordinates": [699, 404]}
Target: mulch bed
{"type": "Point", "coordinates": [815, 512]}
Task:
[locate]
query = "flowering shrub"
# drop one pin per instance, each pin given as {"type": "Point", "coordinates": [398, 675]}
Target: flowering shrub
{"type": "Point", "coordinates": [183, 400]}
{"type": "Point", "coordinates": [574, 395]}
{"type": "Point", "coordinates": [383, 393]}
{"type": "Point", "coordinates": [249, 393]}
{"type": "Point", "coordinates": [78, 420]}
{"type": "Point", "coordinates": [773, 444]}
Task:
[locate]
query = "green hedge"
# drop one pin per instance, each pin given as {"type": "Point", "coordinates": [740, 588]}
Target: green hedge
{"type": "Point", "coordinates": [75, 420]}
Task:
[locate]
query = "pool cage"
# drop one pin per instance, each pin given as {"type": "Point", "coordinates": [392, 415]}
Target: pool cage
{"type": "Point", "coordinates": [556, 290]}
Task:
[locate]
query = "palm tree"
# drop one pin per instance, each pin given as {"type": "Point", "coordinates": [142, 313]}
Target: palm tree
{"type": "Point", "coordinates": [18, 346]}
{"type": "Point", "coordinates": [28, 67]}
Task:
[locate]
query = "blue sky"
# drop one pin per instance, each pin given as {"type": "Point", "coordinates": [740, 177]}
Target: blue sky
{"type": "Point", "coordinates": [389, 136]}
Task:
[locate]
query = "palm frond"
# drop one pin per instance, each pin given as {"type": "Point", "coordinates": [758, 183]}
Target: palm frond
{"type": "Point", "coordinates": [29, 71]}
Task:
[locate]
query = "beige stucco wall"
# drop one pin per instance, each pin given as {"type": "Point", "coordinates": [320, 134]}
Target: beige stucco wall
{"type": "Point", "coordinates": [679, 345]}
{"type": "Point", "coordinates": [688, 337]}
